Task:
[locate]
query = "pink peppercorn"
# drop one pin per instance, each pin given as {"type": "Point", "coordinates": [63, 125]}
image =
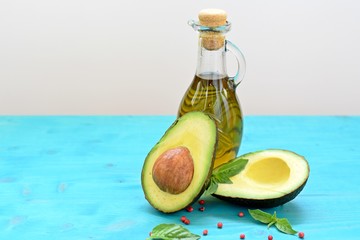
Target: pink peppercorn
{"type": "Point", "coordinates": [205, 232]}
{"type": "Point", "coordinates": [219, 225]}
{"type": "Point", "coordinates": [241, 214]}
{"type": "Point", "coordinates": [187, 221]}
{"type": "Point", "coordinates": [242, 236]}
{"type": "Point", "coordinates": [189, 209]}
{"type": "Point", "coordinates": [201, 202]}
{"type": "Point", "coordinates": [201, 209]}
{"type": "Point", "coordinates": [270, 237]}
{"type": "Point", "coordinates": [301, 235]}
{"type": "Point", "coordinates": [183, 218]}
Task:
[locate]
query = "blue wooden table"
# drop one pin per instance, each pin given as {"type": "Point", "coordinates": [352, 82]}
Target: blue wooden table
{"type": "Point", "coordinates": [78, 177]}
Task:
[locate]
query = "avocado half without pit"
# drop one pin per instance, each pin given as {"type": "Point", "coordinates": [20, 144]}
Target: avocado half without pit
{"type": "Point", "coordinates": [178, 168]}
{"type": "Point", "coordinates": [270, 178]}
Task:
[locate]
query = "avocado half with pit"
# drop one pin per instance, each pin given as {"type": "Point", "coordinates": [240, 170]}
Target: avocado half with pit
{"type": "Point", "coordinates": [178, 168]}
{"type": "Point", "coordinates": [270, 178]}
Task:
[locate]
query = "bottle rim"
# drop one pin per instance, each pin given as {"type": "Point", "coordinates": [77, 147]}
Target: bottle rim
{"type": "Point", "coordinates": [201, 28]}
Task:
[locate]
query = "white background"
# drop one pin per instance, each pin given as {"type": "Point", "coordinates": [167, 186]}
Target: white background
{"type": "Point", "coordinates": [139, 57]}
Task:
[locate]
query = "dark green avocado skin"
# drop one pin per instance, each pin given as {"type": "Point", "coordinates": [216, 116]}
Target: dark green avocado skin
{"type": "Point", "coordinates": [263, 203]}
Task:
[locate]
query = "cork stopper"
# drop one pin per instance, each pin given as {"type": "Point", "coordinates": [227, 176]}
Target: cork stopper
{"type": "Point", "coordinates": [212, 40]}
{"type": "Point", "coordinates": [212, 17]}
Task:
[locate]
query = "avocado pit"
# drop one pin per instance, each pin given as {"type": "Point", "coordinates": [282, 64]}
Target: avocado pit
{"type": "Point", "coordinates": [173, 170]}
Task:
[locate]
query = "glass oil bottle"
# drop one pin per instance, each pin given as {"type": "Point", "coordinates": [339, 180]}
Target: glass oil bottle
{"type": "Point", "coordinates": [212, 90]}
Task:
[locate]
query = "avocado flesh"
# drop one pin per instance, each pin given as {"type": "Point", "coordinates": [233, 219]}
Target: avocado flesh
{"type": "Point", "coordinates": [197, 132]}
{"type": "Point", "coordinates": [270, 178]}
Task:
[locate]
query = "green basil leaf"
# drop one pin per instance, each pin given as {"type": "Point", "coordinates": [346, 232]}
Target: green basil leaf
{"type": "Point", "coordinates": [261, 216]}
{"type": "Point", "coordinates": [284, 226]}
{"type": "Point", "coordinates": [271, 223]}
{"type": "Point", "coordinates": [231, 168]}
{"type": "Point", "coordinates": [221, 179]}
{"type": "Point", "coordinates": [274, 216]}
{"type": "Point", "coordinates": [223, 173]}
{"type": "Point", "coordinates": [212, 187]}
{"type": "Point", "coordinates": [173, 232]}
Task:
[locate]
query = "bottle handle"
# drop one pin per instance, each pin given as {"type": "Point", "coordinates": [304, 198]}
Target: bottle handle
{"type": "Point", "coordinates": [229, 46]}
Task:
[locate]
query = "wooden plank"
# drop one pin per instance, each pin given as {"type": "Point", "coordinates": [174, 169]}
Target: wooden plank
{"type": "Point", "coordinates": [78, 177]}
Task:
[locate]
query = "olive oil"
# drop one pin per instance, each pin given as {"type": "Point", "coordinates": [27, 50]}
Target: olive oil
{"type": "Point", "coordinates": [215, 95]}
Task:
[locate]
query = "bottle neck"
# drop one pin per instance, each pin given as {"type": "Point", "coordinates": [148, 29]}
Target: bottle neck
{"type": "Point", "coordinates": [211, 62]}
